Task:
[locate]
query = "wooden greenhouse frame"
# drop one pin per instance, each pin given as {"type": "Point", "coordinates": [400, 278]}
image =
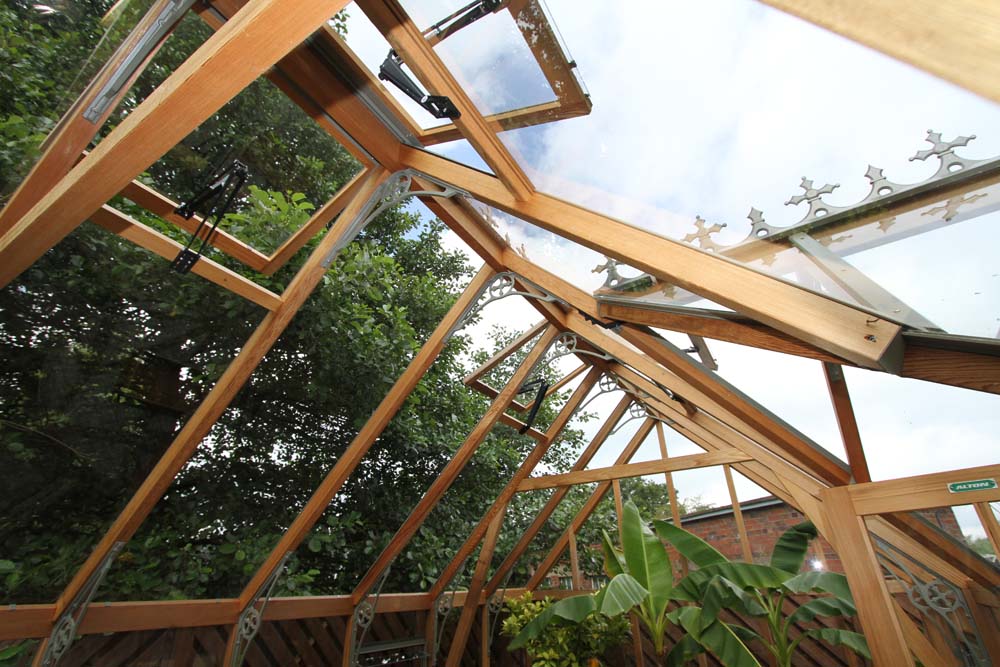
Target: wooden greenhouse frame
{"type": "Point", "coordinates": [292, 44]}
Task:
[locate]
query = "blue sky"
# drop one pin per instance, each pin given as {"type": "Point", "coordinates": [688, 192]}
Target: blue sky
{"type": "Point", "coordinates": [711, 108]}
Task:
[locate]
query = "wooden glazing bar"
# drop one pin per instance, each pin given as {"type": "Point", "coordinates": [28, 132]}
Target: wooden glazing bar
{"type": "Point", "coordinates": [218, 399]}
{"type": "Point", "coordinates": [574, 563]}
{"type": "Point", "coordinates": [468, 615]}
{"type": "Point", "coordinates": [454, 467]}
{"type": "Point", "coordinates": [627, 471]}
{"type": "Point", "coordinates": [553, 502]}
{"type": "Point", "coordinates": [507, 493]}
{"type": "Point", "coordinates": [366, 437]}
{"type": "Point", "coordinates": [408, 41]}
{"type": "Point", "coordinates": [588, 507]}
{"type": "Point", "coordinates": [837, 328]}
{"type": "Point", "coordinates": [844, 411]}
{"type": "Point", "coordinates": [74, 132]}
{"type": "Point", "coordinates": [118, 223]}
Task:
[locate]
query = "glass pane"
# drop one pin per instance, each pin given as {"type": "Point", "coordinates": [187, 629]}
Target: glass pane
{"type": "Point", "coordinates": [51, 52]}
{"type": "Point", "coordinates": [687, 147]}
{"type": "Point", "coordinates": [106, 353]}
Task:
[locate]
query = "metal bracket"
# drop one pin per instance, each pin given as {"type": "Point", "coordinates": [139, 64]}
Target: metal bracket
{"type": "Point", "coordinates": [64, 631]}
{"type": "Point", "coordinates": [608, 384]}
{"type": "Point", "coordinates": [364, 614]}
{"type": "Point", "coordinates": [493, 608]}
{"type": "Point", "coordinates": [501, 286]}
{"type": "Point", "coordinates": [438, 106]}
{"type": "Point", "coordinates": [154, 34]}
{"type": "Point", "coordinates": [462, 18]}
{"type": "Point", "coordinates": [393, 191]}
{"type": "Point", "coordinates": [250, 619]}
{"type": "Point", "coordinates": [444, 604]}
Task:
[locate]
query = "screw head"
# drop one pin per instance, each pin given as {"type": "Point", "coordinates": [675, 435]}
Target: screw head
{"type": "Point", "coordinates": [871, 338]}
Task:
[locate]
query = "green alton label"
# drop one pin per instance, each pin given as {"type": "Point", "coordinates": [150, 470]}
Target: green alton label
{"type": "Point", "coordinates": [972, 485]}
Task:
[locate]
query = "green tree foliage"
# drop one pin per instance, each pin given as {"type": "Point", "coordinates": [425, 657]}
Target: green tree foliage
{"type": "Point", "coordinates": [105, 353]}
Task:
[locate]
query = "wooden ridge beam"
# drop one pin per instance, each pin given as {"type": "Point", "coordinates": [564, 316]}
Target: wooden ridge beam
{"type": "Point", "coordinates": [243, 49]}
{"type": "Point", "coordinates": [366, 437]}
{"type": "Point", "coordinates": [118, 223]}
{"type": "Point", "coordinates": [588, 507]}
{"type": "Point", "coordinates": [958, 40]}
{"type": "Point", "coordinates": [553, 502]}
{"type": "Point", "coordinates": [839, 329]}
{"type": "Point", "coordinates": [451, 471]}
{"type": "Point", "coordinates": [507, 493]}
{"type": "Point", "coordinates": [626, 471]}
{"type": "Point", "coordinates": [220, 396]}
{"type": "Point", "coordinates": [408, 41]}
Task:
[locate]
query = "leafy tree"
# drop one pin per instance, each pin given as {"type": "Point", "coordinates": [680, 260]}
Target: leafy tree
{"type": "Point", "coordinates": [104, 354]}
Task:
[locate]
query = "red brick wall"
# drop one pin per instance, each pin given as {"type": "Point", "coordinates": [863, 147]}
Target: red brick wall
{"type": "Point", "coordinates": [766, 524]}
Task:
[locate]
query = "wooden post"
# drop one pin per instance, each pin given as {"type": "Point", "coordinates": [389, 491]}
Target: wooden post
{"type": "Point", "coordinates": [218, 399]}
{"type": "Point", "coordinates": [454, 467]}
{"type": "Point", "coordinates": [741, 527]}
{"type": "Point", "coordinates": [574, 563]}
{"type": "Point", "coordinates": [989, 520]}
{"type": "Point", "coordinates": [876, 611]}
{"type": "Point", "coordinates": [675, 508]}
{"type": "Point", "coordinates": [837, 384]}
{"type": "Point", "coordinates": [475, 590]}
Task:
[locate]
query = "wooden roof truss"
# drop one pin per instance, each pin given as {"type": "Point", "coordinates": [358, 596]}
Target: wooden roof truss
{"type": "Point", "coordinates": [297, 50]}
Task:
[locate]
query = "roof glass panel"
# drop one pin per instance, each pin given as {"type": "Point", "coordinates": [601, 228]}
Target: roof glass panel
{"type": "Point", "coordinates": [698, 121]}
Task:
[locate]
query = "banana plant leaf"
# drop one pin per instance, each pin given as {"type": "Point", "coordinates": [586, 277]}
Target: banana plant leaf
{"type": "Point", "coordinates": [852, 640]}
{"type": "Point", "coordinates": [790, 550]}
{"type": "Point", "coordinates": [647, 560]}
{"type": "Point", "coordinates": [743, 575]}
{"type": "Point", "coordinates": [824, 582]}
{"type": "Point", "coordinates": [717, 638]}
{"type": "Point", "coordinates": [613, 599]}
{"type": "Point", "coordinates": [824, 606]}
{"type": "Point", "coordinates": [720, 593]}
{"type": "Point", "coordinates": [692, 547]}
{"type": "Point", "coordinates": [684, 650]}
{"type": "Point", "coordinates": [614, 560]}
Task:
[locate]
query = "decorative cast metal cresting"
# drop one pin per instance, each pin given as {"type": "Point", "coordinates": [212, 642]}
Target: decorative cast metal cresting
{"type": "Point", "coordinates": [940, 602]}
{"type": "Point", "coordinates": [248, 624]}
{"type": "Point", "coordinates": [64, 631]}
{"type": "Point", "coordinates": [395, 189]}
{"type": "Point", "coordinates": [952, 169]}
